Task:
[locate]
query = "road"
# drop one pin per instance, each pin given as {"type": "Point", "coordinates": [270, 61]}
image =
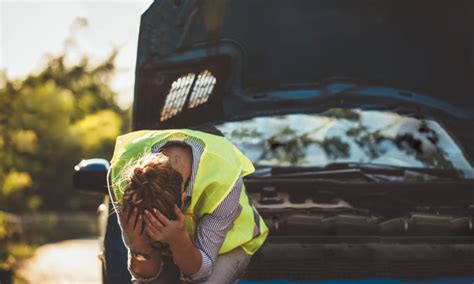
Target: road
{"type": "Point", "coordinates": [66, 262]}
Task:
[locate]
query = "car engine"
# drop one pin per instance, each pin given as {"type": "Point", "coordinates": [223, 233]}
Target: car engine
{"type": "Point", "coordinates": [314, 237]}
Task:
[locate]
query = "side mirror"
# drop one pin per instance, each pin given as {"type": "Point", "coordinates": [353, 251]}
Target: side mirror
{"type": "Point", "coordinates": [91, 176]}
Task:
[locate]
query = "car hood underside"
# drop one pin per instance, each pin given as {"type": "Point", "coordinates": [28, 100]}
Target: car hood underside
{"type": "Point", "coordinates": [206, 61]}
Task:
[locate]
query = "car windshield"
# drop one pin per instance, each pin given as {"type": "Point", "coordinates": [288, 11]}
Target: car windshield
{"type": "Point", "coordinates": [345, 135]}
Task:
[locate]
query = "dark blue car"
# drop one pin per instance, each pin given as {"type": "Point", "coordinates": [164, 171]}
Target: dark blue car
{"type": "Point", "coordinates": [358, 115]}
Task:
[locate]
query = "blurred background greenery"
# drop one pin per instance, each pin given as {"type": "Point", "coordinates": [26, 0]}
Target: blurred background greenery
{"type": "Point", "coordinates": [49, 121]}
{"type": "Point", "coordinates": [66, 85]}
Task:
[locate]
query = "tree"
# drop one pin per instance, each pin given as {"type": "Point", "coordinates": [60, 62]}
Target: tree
{"type": "Point", "coordinates": [48, 122]}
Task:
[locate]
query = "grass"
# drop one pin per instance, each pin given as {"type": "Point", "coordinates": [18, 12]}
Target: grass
{"type": "Point", "coordinates": [20, 251]}
{"type": "Point", "coordinates": [16, 252]}
{"type": "Point", "coordinates": [19, 280]}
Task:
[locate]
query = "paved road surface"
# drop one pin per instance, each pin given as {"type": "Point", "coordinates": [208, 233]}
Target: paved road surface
{"type": "Point", "coordinates": [67, 262]}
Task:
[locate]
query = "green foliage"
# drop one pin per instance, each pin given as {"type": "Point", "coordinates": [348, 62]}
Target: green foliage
{"type": "Point", "coordinates": [97, 131]}
{"type": "Point", "coordinates": [21, 250]}
{"type": "Point", "coordinates": [15, 182]}
{"type": "Point", "coordinates": [5, 234]}
{"type": "Point", "coordinates": [48, 123]}
{"type": "Point", "coordinates": [4, 229]}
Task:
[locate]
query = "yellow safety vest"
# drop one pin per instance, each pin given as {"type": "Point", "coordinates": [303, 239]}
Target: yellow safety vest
{"type": "Point", "coordinates": [220, 166]}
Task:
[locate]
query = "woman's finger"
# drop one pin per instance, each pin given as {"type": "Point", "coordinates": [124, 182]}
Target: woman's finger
{"type": "Point", "coordinates": [152, 221]}
{"type": "Point", "coordinates": [130, 212]}
{"type": "Point", "coordinates": [165, 221]}
{"type": "Point", "coordinates": [179, 214]}
{"type": "Point", "coordinates": [152, 233]}
{"type": "Point", "coordinates": [132, 222]}
{"type": "Point", "coordinates": [123, 214]}
{"type": "Point", "coordinates": [139, 225]}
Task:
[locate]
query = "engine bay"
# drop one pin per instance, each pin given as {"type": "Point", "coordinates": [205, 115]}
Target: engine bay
{"type": "Point", "coordinates": [320, 237]}
{"type": "Point", "coordinates": [289, 214]}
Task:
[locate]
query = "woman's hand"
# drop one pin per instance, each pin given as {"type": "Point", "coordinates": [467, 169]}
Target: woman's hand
{"type": "Point", "coordinates": [132, 224]}
{"type": "Point", "coordinates": [162, 229]}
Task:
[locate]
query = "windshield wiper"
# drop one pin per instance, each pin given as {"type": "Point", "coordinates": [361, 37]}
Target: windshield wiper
{"type": "Point", "coordinates": [360, 171]}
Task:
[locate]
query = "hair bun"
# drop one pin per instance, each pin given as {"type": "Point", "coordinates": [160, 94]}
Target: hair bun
{"type": "Point", "coordinates": [138, 177]}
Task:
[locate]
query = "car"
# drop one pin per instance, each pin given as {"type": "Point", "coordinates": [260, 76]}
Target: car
{"type": "Point", "coordinates": [358, 116]}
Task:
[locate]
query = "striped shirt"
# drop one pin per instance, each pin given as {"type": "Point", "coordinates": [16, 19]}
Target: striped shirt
{"type": "Point", "coordinates": [212, 228]}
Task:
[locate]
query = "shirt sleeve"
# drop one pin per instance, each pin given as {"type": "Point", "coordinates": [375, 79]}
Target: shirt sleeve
{"type": "Point", "coordinates": [212, 229]}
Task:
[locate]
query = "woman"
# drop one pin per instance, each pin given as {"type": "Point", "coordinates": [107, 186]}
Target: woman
{"type": "Point", "coordinates": [184, 212]}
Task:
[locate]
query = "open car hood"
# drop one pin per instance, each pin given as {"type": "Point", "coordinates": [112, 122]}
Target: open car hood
{"type": "Point", "coordinates": [202, 61]}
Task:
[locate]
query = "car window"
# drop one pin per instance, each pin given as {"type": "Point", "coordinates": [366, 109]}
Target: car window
{"type": "Point", "coordinates": [345, 135]}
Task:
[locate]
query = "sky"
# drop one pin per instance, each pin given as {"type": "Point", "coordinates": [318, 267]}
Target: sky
{"type": "Point", "coordinates": [32, 30]}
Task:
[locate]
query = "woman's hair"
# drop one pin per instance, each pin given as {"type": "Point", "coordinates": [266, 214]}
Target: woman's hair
{"type": "Point", "coordinates": [153, 183]}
